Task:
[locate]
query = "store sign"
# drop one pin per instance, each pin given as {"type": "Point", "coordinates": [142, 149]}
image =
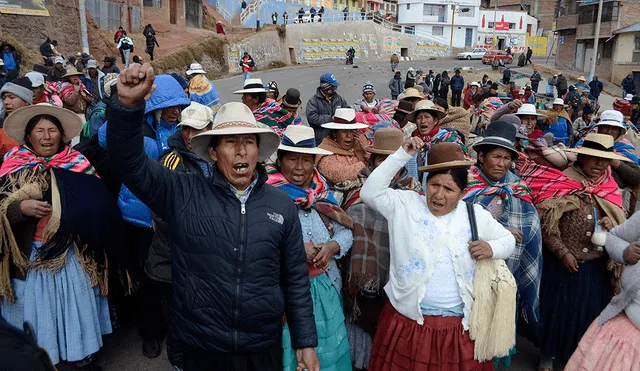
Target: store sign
{"type": "Point", "coordinates": [24, 7]}
{"type": "Point", "coordinates": [502, 26]}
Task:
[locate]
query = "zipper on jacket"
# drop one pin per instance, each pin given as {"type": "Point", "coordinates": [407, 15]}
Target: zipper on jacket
{"type": "Point", "coordinates": [239, 253]}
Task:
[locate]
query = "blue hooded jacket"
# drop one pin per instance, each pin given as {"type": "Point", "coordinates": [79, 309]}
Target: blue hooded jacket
{"type": "Point", "coordinates": [168, 93]}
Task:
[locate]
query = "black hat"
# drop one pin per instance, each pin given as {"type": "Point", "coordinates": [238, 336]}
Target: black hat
{"type": "Point", "coordinates": [501, 134]}
{"type": "Point", "coordinates": [291, 98]}
{"type": "Point", "coordinates": [85, 56]}
{"type": "Point", "coordinates": [404, 106]}
{"type": "Point", "coordinates": [107, 59]}
{"type": "Point", "coordinates": [635, 100]}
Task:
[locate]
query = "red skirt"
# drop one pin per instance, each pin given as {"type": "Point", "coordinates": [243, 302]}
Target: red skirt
{"type": "Point", "coordinates": [441, 344]}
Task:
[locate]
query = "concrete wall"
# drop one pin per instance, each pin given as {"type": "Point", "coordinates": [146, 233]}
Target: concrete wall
{"type": "Point", "coordinates": [163, 14]}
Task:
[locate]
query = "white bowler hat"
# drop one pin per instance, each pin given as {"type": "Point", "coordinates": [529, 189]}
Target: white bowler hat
{"type": "Point", "coordinates": [613, 118]}
{"type": "Point", "coordinates": [195, 68]}
{"type": "Point", "coordinates": [196, 115]}
{"type": "Point", "coordinates": [236, 118]}
{"type": "Point", "coordinates": [558, 101]}
{"type": "Point", "coordinates": [301, 139]}
{"type": "Point", "coordinates": [344, 119]}
{"type": "Point", "coordinates": [629, 97]}
{"type": "Point", "coordinates": [528, 109]}
{"type": "Point", "coordinates": [252, 86]}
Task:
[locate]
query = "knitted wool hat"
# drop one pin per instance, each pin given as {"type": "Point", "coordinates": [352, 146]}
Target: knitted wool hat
{"type": "Point", "coordinates": [368, 88]}
{"type": "Point", "coordinates": [21, 88]}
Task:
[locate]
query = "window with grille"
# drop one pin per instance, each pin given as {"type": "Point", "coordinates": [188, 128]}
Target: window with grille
{"type": "Point", "coordinates": [607, 50]}
{"type": "Point", "coordinates": [433, 10]}
{"type": "Point", "coordinates": [152, 3]}
{"type": "Point", "coordinates": [610, 12]}
{"type": "Point", "coordinates": [587, 14]}
{"type": "Point", "coordinates": [408, 6]}
{"type": "Point", "coordinates": [437, 30]}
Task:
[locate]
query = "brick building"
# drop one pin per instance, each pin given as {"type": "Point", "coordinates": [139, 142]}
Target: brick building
{"type": "Point", "coordinates": [543, 10]}
{"type": "Point", "coordinates": [576, 23]}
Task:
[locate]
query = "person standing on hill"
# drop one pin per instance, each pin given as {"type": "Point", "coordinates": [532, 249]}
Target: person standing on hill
{"type": "Point", "coordinates": [125, 45]}
{"type": "Point", "coordinates": [152, 42]}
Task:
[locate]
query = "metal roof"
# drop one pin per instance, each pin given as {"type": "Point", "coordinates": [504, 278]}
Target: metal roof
{"type": "Point", "coordinates": [632, 28]}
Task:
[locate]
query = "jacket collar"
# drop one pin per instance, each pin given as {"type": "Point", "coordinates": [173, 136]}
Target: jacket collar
{"type": "Point", "coordinates": [219, 180]}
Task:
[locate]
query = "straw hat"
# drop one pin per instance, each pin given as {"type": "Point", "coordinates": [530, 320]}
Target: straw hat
{"type": "Point", "coordinates": [613, 118]}
{"type": "Point", "coordinates": [252, 86]}
{"type": "Point", "coordinates": [386, 141]}
{"type": "Point", "coordinates": [196, 116]}
{"type": "Point", "coordinates": [501, 134]}
{"type": "Point", "coordinates": [412, 93]}
{"type": "Point", "coordinates": [195, 68]}
{"type": "Point", "coordinates": [235, 118]}
{"type": "Point", "coordinates": [581, 78]}
{"type": "Point", "coordinates": [598, 145]}
{"type": "Point", "coordinates": [445, 156]}
{"type": "Point", "coordinates": [16, 123]}
{"type": "Point", "coordinates": [428, 106]}
{"type": "Point", "coordinates": [344, 119]}
{"type": "Point", "coordinates": [301, 139]}
{"type": "Point", "coordinates": [528, 109]}
{"type": "Point", "coordinates": [73, 72]}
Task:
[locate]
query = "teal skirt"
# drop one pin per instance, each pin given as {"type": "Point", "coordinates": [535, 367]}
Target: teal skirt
{"type": "Point", "coordinates": [333, 343]}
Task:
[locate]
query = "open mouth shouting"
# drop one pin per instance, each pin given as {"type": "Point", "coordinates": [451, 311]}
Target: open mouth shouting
{"type": "Point", "coordinates": [241, 168]}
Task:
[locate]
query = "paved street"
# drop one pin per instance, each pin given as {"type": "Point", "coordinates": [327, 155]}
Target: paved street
{"type": "Point", "coordinates": [123, 350]}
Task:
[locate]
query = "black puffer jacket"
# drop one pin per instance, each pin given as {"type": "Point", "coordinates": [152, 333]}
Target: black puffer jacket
{"type": "Point", "coordinates": [320, 111]}
{"type": "Point", "coordinates": [237, 268]}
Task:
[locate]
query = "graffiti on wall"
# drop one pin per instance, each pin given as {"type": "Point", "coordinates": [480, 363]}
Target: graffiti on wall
{"type": "Point", "coordinates": [424, 49]}
{"type": "Point", "coordinates": [391, 45]}
{"type": "Point", "coordinates": [233, 60]}
{"type": "Point", "coordinates": [538, 44]}
{"type": "Point", "coordinates": [324, 49]}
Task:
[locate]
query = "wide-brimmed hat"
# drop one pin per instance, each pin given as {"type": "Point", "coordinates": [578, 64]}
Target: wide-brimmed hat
{"type": "Point", "coordinates": [598, 145]}
{"type": "Point", "coordinates": [558, 101]}
{"type": "Point", "coordinates": [16, 123]}
{"type": "Point", "coordinates": [501, 134]}
{"type": "Point", "coordinates": [235, 118]}
{"type": "Point", "coordinates": [344, 119]}
{"type": "Point", "coordinates": [581, 78]}
{"type": "Point", "coordinates": [291, 98]}
{"type": "Point", "coordinates": [445, 156]}
{"type": "Point", "coordinates": [195, 68]}
{"type": "Point", "coordinates": [428, 106]}
{"type": "Point", "coordinates": [404, 106]}
{"type": "Point", "coordinates": [412, 93]}
{"type": "Point", "coordinates": [386, 141]}
{"type": "Point", "coordinates": [85, 56]}
{"type": "Point", "coordinates": [613, 118]}
{"type": "Point", "coordinates": [252, 86]}
{"type": "Point", "coordinates": [527, 109]}
{"type": "Point", "coordinates": [196, 115]}
{"type": "Point", "coordinates": [301, 139]}
{"type": "Point", "coordinates": [72, 72]}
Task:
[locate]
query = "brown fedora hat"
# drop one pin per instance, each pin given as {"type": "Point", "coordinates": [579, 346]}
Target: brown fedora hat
{"type": "Point", "coordinates": [445, 156]}
{"type": "Point", "coordinates": [386, 141]}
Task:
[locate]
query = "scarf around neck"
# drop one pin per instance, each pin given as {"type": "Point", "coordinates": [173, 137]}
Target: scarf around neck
{"type": "Point", "coordinates": [480, 184]}
{"type": "Point", "coordinates": [22, 157]}
{"type": "Point", "coordinates": [426, 137]}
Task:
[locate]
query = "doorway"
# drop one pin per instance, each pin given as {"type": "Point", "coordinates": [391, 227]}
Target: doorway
{"type": "Point", "coordinates": [501, 42]}
{"type": "Point", "coordinates": [292, 56]}
{"type": "Point", "coordinates": [468, 37]}
{"type": "Point", "coordinates": [173, 12]}
{"type": "Point", "coordinates": [404, 52]}
{"type": "Point", "coordinates": [192, 9]}
{"type": "Point", "coordinates": [579, 55]}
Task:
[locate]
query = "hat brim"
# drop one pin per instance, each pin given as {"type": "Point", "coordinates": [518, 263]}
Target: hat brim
{"type": "Point", "coordinates": [77, 73]}
{"type": "Point", "coordinates": [269, 141]}
{"type": "Point", "coordinates": [371, 149]}
{"type": "Point", "coordinates": [252, 91]}
{"type": "Point", "coordinates": [309, 151]}
{"type": "Point", "coordinates": [597, 153]}
{"type": "Point", "coordinates": [615, 124]}
{"type": "Point", "coordinates": [16, 123]}
{"type": "Point", "coordinates": [337, 126]}
{"type": "Point", "coordinates": [412, 116]}
{"type": "Point", "coordinates": [488, 141]}
{"type": "Point", "coordinates": [191, 72]}
{"type": "Point", "coordinates": [192, 124]}
{"type": "Point", "coordinates": [447, 165]}
{"type": "Point", "coordinates": [529, 114]}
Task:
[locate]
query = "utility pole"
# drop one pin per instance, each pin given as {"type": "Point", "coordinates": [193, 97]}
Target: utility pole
{"type": "Point", "coordinates": [453, 17]}
{"type": "Point", "coordinates": [84, 38]}
{"type": "Point", "coordinates": [495, 21]}
{"type": "Point", "coordinates": [594, 59]}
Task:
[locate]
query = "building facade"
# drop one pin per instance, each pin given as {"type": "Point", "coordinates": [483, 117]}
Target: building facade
{"type": "Point", "coordinates": [437, 18]}
{"type": "Point", "coordinates": [509, 28]}
{"type": "Point", "coordinates": [543, 10]}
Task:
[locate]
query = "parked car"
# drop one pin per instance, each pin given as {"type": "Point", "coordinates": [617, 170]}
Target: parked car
{"type": "Point", "coordinates": [476, 53]}
{"type": "Point", "coordinates": [490, 55]}
{"type": "Point", "coordinates": [306, 18]}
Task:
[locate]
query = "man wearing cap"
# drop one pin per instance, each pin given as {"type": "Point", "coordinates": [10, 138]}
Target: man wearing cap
{"type": "Point", "coordinates": [58, 70]}
{"type": "Point", "coordinates": [239, 263]}
{"type": "Point", "coordinates": [109, 65]}
{"type": "Point", "coordinates": [396, 85]}
{"type": "Point", "coordinates": [468, 95]}
{"type": "Point", "coordinates": [81, 65]}
{"type": "Point", "coordinates": [369, 102]}
{"type": "Point", "coordinates": [42, 92]}
{"type": "Point", "coordinates": [322, 106]}
{"type": "Point", "coordinates": [457, 84]}
{"type": "Point", "coordinates": [195, 119]}
{"type": "Point", "coordinates": [596, 87]}
{"type": "Point", "coordinates": [15, 95]}
{"type": "Point", "coordinates": [201, 89]}
{"type": "Point", "coordinates": [94, 80]}
{"type": "Point", "coordinates": [247, 63]}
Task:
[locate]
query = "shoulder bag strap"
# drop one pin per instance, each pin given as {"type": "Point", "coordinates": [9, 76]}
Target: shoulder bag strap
{"type": "Point", "coordinates": [472, 221]}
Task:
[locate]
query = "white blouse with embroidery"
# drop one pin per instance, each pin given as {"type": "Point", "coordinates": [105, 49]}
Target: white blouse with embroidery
{"type": "Point", "coordinates": [419, 240]}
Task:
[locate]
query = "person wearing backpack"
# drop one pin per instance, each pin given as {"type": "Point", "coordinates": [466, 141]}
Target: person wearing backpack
{"type": "Point", "coordinates": [125, 45]}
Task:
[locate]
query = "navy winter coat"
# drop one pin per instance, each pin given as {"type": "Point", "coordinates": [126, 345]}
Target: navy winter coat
{"type": "Point", "coordinates": [457, 82]}
{"type": "Point", "coordinates": [237, 268]}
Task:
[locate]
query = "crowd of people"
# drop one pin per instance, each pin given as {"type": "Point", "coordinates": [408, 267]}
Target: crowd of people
{"type": "Point", "coordinates": [416, 231]}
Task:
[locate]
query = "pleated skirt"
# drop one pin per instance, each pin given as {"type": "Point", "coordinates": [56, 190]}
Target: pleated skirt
{"type": "Point", "coordinates": [569, 302]}
{"type": "Point", "coordinates": [440, 344]}
{"type": "Point", "coordinates": [333, 342]}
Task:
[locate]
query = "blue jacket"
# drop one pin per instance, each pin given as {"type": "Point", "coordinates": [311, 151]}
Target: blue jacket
{"type": "Point", "coordinates": [168, 93]}
{"type": "Point", "coordinates": [457, 82]}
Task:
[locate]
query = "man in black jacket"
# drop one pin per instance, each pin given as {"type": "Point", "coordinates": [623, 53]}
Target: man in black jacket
{"type": "Point", "coordinates": [322, 106]}
{"type": "Point", "coordinates": [239, 262]}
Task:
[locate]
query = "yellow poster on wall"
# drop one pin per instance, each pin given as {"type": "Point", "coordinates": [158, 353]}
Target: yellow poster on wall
{"type": "Point", "coordinates": [24, 7]}
{"type": "Point", "coordinates": [538, 44]}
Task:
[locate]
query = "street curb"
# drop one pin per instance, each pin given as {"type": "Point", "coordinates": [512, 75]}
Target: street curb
{"type": "Point", "coordinates": [555, 71]}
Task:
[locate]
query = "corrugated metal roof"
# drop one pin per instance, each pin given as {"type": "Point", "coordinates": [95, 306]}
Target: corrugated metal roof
{"type": "Point", "coordinates": [632, 28]}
